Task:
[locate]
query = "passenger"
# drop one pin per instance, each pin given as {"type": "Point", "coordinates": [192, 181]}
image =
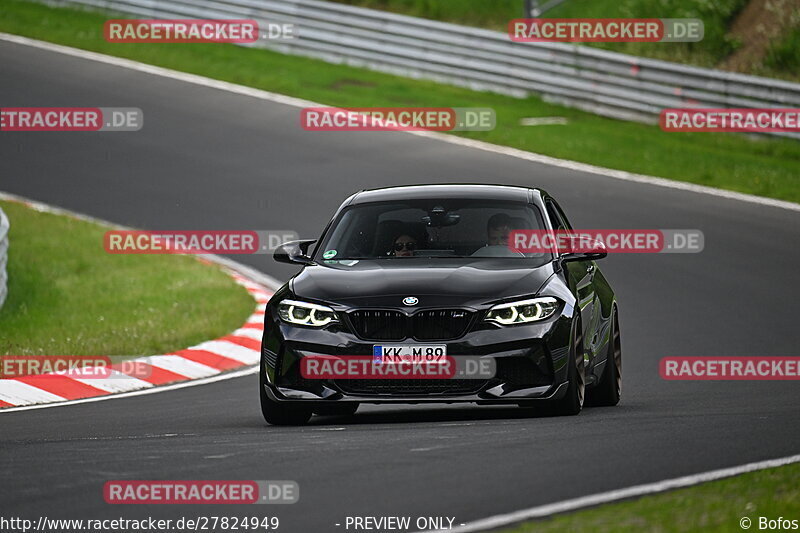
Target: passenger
{"type": "Point", "coordinates": [404, 246]}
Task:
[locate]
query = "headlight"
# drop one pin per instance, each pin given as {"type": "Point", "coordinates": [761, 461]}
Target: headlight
{"type": "Point", "coordinates": [523, 311]}
{"type": "Point", "coordinates": [306, 313]}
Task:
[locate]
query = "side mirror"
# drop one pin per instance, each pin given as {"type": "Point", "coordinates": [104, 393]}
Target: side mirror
{"type": "Point", "coordinates": [294, 252]}
{"type": "Point", "coordinates": [586, 252]}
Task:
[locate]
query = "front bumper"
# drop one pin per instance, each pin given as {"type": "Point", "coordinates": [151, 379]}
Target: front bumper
{"type": "Point", "coordinates": [531, 363]}
{"type": "Point", "coordinates": [485, 398]}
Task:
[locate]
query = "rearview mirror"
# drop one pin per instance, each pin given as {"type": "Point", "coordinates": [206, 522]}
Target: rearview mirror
{"type": "Point", "coordinates": [294, 252]}
{"type": "Point", "coordinates": [438, 217]}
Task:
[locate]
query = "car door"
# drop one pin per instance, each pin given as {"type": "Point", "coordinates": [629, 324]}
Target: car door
{"type": "Point", "coordinates": [580, 278]}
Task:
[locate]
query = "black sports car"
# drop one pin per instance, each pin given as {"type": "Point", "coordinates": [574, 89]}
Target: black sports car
{"type": "Point", "coordinates": [428, 269]}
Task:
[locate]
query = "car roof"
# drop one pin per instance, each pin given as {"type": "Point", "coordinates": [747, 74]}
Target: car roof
{"type": "Point", "coordinates": [445, 191]}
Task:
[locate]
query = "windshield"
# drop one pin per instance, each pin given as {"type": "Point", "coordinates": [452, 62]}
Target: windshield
{"type": "Point", "coordinates": [429, 230]}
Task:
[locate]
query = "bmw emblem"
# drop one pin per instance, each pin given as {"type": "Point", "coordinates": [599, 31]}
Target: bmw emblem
{"type": "Point", "coordinates": [410, 300]}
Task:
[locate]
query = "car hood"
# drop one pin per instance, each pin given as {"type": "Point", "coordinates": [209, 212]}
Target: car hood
{"type": "Point", "coordinates": [385, 283]}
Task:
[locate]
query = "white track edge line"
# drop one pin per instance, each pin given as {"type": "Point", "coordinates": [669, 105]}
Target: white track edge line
{"type": "Point", "coordinates": [164, 388]}
{"type": "Point", "coordinates": [547, 510]}
{"type": "Point", "coordinates": [452, 139]}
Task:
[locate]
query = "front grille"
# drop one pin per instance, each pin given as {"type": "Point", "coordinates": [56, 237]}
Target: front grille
{"type": "Point", "coordinates": [441, 324]}
{"type": "Point", "coordinates": [432, 325]}
{"type": "Point", "coordinates": [410, 386]}
{"type": "Point", "coordinates": [379, 325]}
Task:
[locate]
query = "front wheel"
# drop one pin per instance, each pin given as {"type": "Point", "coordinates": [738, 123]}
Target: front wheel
{"type": "Point", "coordinates": [281, 413]}
{"type": "Point", "coordinates": [607, 391]}
{"type": "Point", "coordinates": [572, 402]}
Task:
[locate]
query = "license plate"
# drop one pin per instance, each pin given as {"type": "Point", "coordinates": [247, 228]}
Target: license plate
{"type": "Point", "coordinates": [409, 353]}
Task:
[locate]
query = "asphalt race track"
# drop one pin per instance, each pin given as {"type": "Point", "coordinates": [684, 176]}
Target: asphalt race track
{"type": "Point", "coordinates": [208, 159]}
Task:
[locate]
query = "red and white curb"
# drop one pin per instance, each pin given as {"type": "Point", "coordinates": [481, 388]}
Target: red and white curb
{"type": "Point", "coordinates": [240, 348]}
{"type": "Point", "coordinates": [228, 357]}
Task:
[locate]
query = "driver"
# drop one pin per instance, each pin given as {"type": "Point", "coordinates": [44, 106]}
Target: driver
{"type": "Point", "coordinates": [498, 229]}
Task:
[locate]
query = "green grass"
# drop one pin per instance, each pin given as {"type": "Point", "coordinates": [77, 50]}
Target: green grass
{"type": "Point", "coordinates": [67, 296]}
{"type": "Point", "coordinates": [715, 506]}
{"type": "Point", "coordinates": [717, 16]}
{"type": "Point", "coordinates": [493, 14]}
{"type": "Point", "coordinates": [766, 167]}
{"type": "Point", "coordinates": [784, 55]}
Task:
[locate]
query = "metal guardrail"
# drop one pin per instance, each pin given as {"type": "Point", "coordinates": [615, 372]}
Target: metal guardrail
{"type": "Point", "coordinates": [4, 227]}
{"type": "Point", "coordinates": [607, 83]}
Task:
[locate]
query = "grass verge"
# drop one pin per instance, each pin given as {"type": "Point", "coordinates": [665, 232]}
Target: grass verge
{"type": "Point", "coordinates": [67, 296]}
{"type": "Point", "coordinates": [714, 506]}
{"type": "Point", "coordinates": [765, 167]}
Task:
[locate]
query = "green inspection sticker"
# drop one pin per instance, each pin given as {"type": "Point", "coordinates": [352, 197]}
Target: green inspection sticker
{"type": "Point", "coordinates": [329, 253]}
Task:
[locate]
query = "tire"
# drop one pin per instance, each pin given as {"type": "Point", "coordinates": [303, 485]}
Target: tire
{"type": "Point", "coordinates": [336, 409]}
{"type": "Point", "coordinates": [607, 392]}
{"type": "Point", "coordinates": [281, 413]}
{"type": "Point", "coordinates": [572, 402]}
